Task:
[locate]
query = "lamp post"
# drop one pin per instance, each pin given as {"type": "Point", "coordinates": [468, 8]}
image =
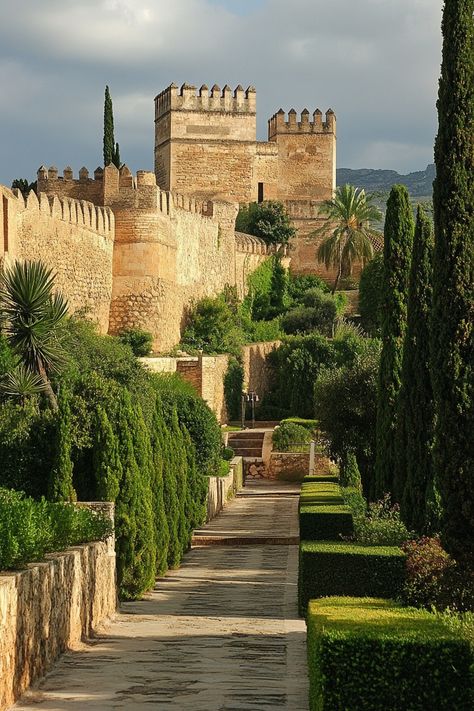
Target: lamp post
{"type": "Point", "coordinates": [253, 398]}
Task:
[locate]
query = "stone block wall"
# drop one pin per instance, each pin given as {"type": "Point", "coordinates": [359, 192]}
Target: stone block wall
{"type": "Point", "coordinates": [288, 466]}
{"type": "Point", "coordinates": [223, 488]}
{"type": "Point", "coordinates": [51, 607]}
{"type": "Point", "coordinates": [74, 238]}
{"type": "Point", "coordinates": [256, 370]}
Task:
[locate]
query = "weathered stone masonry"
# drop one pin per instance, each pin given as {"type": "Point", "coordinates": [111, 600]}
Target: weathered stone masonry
{"type": "Point", "coordinates": [136, 252]}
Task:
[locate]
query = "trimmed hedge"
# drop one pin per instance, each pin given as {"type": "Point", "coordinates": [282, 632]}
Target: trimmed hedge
{"type": "Point", "coordinates": [339, 568]}
{"type": "Point", "coordinates": [373, 655]}
{"type": "Point", "coordinates": [321, 478]}
{"type": "Point", "coordinates": [325, 522]}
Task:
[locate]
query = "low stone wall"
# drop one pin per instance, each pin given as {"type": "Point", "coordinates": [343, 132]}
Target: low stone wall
{"type": "Point", "coordinates": [288, 466]}
{"type": "Point", "coordinates": [50, 607]}
{"type": "Point", "coordinates": [223, 488]}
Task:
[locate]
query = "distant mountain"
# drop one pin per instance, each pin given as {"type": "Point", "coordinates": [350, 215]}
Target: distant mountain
{"type": "Point", "coordinates": [419, 183]}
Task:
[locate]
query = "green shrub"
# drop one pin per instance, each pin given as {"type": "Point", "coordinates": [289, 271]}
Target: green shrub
{"type": "Point", "coordinates": [286, 436]}
{"type": "Point", "coordinates": [267, 220]}
{"type": "Point", "coordinates": [353, 498]}
{"type": "Point", "coordinates": [341, 568]}
{"type": "Point", "coordinates": [318, 312]}
{"type": "Point", "coordinates": [212, 327]}
{"type": "Point", "coordinates": [311, 425]}
{"type": "Point", "coordinates": [382, 525]}
{"type": "Point", "coordinates": [139, 341]}
{"type": "Point", "coordinates": [227, 453]}
{"type": "Point", "coordinates": [372, 654]}
{"type": "Point", "coordinates": [349, 471]}
{"type": "Point", "coordinates": [297, 362]}
{"type": "Point", "coordinates": [29, 529]}
{"type": "Point", "coordinates": [434, 579]}
{"type": "Point", "coordinates": [233, 386]}
{"type": "Point", "coordinates": [299, 285]}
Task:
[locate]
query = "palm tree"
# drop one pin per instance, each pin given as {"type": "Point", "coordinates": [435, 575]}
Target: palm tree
{"type": "Point", "coordinates": [346, 229]}
{"type": "Point", "coordinates": [31, 314]}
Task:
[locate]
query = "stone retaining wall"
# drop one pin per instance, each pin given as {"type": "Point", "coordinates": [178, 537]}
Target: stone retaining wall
{"type": "Point", "coordinates": [288, 466]}
{"type": "Point", "coordinates": [50, 607]}
{"type": "Point", "coordinates": [223, 488]}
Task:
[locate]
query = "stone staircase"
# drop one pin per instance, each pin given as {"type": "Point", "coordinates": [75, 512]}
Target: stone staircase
{"type": "Point", "coordinates": [247, 443]}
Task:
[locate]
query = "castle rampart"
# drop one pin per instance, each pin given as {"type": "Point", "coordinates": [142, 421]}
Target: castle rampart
{"type": "Point", "coordinates": [74, 238]}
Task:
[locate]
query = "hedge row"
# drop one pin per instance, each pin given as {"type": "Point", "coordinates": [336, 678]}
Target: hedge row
{"type": "Point", "coordinates": [29, 529]}
{"type": "Point", "coordinates": [373, 655]}
{"type": "Point", "coordinates": [340, 568]}
{"type": "Point", "coordinates": [322, 513]}
{"type": "Point", "coordinates": [321, 478]}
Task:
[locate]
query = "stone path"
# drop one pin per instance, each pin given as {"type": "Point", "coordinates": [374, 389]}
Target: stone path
{"type": "Point", "coordinates": [219, 634]}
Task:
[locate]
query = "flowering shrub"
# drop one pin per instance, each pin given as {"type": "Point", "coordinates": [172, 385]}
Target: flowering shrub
{"type": "Point", "coordinates": [381, 525]}
{"type": "Point", "coordinates": [434, 579]}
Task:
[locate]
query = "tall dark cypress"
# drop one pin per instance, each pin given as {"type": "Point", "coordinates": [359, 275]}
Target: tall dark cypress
{"type": "Point", "coordinates": [398, 243]}
{"type": "Point", "coordinates": [414, 485]}
{"type": "Point", "coordinates": [453, 280]}
{"type": "Point", "coordinates": [116, 156]}
{"type": "Point", "coordinates": [109, 140]}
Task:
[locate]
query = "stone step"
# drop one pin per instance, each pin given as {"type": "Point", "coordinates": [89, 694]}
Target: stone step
{"type": "Point", "coordinates": [247, 435]}
{"type": "Point", "coordinates": [203, 540]}
{"type": "Point", "coordinates": [251, 452]}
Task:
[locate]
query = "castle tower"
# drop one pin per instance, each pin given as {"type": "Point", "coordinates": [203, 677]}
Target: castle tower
{"type": "Point", "coordinates": [205, 141]}
{"type": "Point", "coordinates": [306, 154]}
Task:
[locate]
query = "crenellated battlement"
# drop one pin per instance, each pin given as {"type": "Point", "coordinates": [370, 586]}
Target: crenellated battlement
{"type": "Point", "coordinates": [74, 212]}
{"type": "Point", "coordinates": [249, 244]}
{"type": "Point", "coordinates": [279, 124]}
{"type": "Point", "coordinates": [189, 98]}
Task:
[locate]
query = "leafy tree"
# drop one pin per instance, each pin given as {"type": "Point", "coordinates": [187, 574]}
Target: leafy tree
{"type": "Point", "coordinates": [370, 295]}
{"type": "Point", "coordinates": [345, 406]}
{"type": "Point", "coordinates": [452, 324]}
{"type": "Point", "coordinates": [278, 286]}
{"type": "Point", "coordinates": [139, 341]}
{"type": "Point", "coordinates": [233, 386]}
{"type": "Point", "coordinates": [32, 315]}
{"type": "Point", "coordinates": [398, 244]}
{"type": "Point", "coordinates": [413, 483]}
{"type": "Point", "coordinates": [267, 220]}
{"type": "Point", "coordinates": [346, 230]}
{"type": "Point", "coordinates": [61, 482]}
{"type": "Point", "coordinates": [209, 325]}
{"type": "Point", "coordinates": [106, 460]}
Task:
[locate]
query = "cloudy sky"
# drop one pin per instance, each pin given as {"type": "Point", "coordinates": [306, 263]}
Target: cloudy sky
{"type": "Point", "coordinates": [375, 62]}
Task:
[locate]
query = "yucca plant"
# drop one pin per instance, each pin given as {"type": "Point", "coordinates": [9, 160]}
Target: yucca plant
{"type": "Point", "coordinates": [21, 383]}
{"type": "Point", "coordinates": [31, 313]}
{"type": "Point", "coordinates": [346, 230]}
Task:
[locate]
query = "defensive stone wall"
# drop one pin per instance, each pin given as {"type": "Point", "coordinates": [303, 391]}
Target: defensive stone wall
{"type": "Point", "coordinates": [72, 237]}
{"type": "Point", "coordinates": [51, 607]}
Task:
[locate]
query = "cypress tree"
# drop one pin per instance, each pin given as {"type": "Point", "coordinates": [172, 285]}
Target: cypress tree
{"type": "Point", "coordinates": [453, 280]}
{"type": "Point", "coordinates": [116, 156]}
{"type": "Point", "coordinates": [162, 534]}
{"type": "Point", "coordinates": [109, 140]}
{"type": "Point", "coordinates": [135, 539]}
{"type": "Point", "coordinates": [278, 286]}
{"type": "Point", "coordinates": [61, 486]}
{"type": "Point", "coordinates": [105, 458]}
{"type": "Point", "coordinates": [414, 484]}
{"type": "Point", "coordinates": [398, 242]}
{"type": "Point", "coordinates": [349, 472]}
{"type": "Point", "coordinates": [170, 497]}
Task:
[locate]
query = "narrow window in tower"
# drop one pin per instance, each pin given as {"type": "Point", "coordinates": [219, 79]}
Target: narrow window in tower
{"type": "Point", "coordinates": [5, 224]}
{"type": "Point", "coordinates": [260, 192]}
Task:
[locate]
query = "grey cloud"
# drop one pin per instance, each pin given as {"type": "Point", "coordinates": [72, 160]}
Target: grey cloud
{"type": "Point", "coordinates": [376, 62]}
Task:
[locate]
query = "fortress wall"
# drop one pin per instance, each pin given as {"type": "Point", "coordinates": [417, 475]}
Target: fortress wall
{"type": "Point", "coordinates": [73, 238]}
{"type": "Point", "coordinates": [167, 258]}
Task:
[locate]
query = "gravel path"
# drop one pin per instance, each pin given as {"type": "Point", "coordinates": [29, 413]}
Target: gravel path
{"type": "Point", "coordinates": [219, 634]}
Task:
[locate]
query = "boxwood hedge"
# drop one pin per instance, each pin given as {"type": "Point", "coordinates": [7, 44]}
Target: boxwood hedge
{"type": "Point", "coordinates": [374, 655]}
{"type": "Point", "coordinates": [339, 568]}
{"type": "Point", "coordinates": [325, 522]}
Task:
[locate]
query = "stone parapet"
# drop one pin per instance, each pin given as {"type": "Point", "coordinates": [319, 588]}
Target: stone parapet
{"type": "Point", "coordinates": [51, 607]}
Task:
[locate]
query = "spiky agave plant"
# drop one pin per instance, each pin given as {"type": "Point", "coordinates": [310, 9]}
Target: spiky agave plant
{"type": "Point", "coordinates": [346, 230]}
{"type": "Point", "coordinates": [31, 314]}
{"type": "Point", "coordinates": [21, 383]}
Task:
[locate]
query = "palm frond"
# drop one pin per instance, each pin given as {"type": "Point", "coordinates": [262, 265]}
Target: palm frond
{"type": "Point", "coordinates": [21, 383]}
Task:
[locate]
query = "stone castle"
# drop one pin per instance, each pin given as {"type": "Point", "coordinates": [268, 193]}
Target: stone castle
{"type": "Point", "coordinates": [136, 251]}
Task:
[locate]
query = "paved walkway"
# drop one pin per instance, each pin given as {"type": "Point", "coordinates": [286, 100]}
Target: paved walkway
{"type": "Point", "coordinates": [219, 634]}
